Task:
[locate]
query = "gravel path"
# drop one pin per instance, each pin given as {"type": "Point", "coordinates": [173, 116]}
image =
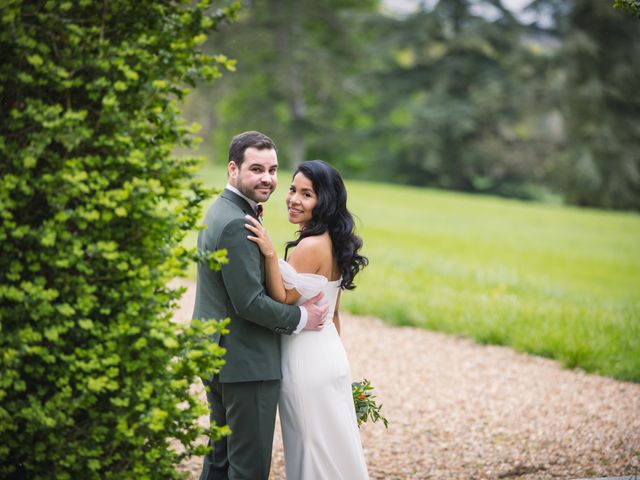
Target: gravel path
{"type": "Point", "coordinates": [459, 410]}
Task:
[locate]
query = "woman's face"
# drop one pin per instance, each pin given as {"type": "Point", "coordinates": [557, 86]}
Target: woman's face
{"type": "Point", "coordinates": [301, 200]}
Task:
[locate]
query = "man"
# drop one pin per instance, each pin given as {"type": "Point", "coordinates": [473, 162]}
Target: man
{"type": "Point", "coordinates": [244, 394]}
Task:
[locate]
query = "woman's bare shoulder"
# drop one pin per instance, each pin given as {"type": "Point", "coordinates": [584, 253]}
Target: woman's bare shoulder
{"type": "Point", "coordinates": [311, 254]}
{"type": "Point", "coordinates": [314, 242]}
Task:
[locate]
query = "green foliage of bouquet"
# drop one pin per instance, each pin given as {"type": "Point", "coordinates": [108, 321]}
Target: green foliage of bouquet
{"type": "Point", "coordinates": [365, 403]}
{"type": "Point", "coordinates": [94, 375]}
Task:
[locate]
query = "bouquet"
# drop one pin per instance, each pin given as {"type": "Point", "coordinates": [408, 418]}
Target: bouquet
{"type": "Point", "coordinates": [365, 404]}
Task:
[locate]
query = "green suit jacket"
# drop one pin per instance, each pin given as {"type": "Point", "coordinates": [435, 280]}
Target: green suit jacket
{"type": "Point", "coordinates": [237, 291]}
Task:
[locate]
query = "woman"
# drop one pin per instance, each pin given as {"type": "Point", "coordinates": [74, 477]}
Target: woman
{"type": "Point", "coordinates": [317, 415]}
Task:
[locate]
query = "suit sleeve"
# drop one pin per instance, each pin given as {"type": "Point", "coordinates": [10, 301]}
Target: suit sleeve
{"type": "Point", "coordinates": [243, 282]}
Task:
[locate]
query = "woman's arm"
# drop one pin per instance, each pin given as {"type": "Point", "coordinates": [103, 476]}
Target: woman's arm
{"type": "Point", "coordinates": [336, 313]}
{"type": "Point", "coordinates": [304, 260]}
{"type": "Point", "coordinates": [275, 287]}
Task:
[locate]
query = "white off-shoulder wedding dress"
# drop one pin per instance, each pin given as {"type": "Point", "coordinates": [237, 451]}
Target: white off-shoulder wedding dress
{"type": "Point", "coordinates": [317, 415]}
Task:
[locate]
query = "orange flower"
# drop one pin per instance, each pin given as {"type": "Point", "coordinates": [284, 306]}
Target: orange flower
{"type": "Point", "coordinates": [362, 396]}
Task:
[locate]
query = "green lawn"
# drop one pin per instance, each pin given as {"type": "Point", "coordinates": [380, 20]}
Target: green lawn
{"type": "Point", "coordinates": [551, 280]}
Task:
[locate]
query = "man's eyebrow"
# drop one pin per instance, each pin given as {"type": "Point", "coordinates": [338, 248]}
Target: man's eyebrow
{"type": "Point", "coordinates": [259, 165]}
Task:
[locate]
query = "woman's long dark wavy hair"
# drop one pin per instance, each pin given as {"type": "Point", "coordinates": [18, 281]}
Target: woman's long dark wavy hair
{"type": "Point", "coordinates": [331, 214]}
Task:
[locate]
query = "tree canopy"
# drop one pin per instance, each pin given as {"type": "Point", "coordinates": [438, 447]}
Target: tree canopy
{"type": "Point", "coordinates": [462, 94]}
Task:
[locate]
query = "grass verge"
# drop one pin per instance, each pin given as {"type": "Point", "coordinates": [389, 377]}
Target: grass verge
{"type": "Point", "coordinates": [551, 280]}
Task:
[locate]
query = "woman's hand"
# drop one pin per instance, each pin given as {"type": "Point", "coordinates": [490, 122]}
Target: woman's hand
{"type": "Point", "coordinates": [261, 237]}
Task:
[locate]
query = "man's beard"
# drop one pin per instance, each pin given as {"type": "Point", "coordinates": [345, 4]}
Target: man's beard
{"type": "Point", "coordinates": [253, 194]}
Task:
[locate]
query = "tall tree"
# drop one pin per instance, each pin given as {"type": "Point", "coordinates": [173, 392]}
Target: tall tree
{"type": "Point", "coordinates": [295, 57]}
{"type": "Point", "coordinates": [600, 102]}
{"type": "Point", "coordinates": [453, 98]}
{"type": "Point", "coordinates": [630, 6]}
{"type": "Point", "coordinates": [602, 165]}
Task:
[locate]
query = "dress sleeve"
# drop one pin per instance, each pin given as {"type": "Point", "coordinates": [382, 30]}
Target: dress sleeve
{"type": "Point", "coordinates": [307, 284]}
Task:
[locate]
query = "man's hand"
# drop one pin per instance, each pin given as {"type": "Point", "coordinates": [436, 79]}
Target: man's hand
{"type": "Point", "coordinates": [316, 313]}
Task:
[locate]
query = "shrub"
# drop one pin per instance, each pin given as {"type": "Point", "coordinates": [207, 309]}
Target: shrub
{"type": "Point", "coordinates": [94, 376]}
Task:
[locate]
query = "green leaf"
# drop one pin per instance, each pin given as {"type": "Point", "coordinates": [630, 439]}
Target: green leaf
{"type": "Point", "coordinates": [35, 60]}
{"type": "Point", "coordinates": [85, 324]}
{"type": "Point", "coordinates": [66, 309]}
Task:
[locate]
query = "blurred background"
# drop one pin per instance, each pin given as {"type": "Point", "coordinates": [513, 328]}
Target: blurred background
{"type": "Point", "coordinates": [518, 98]}
{"type": "Point", "coordinates": [472, 134]}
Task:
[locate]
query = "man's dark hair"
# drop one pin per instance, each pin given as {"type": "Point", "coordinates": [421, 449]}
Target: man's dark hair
{"type": "Point", "coordinates": [244, 140]}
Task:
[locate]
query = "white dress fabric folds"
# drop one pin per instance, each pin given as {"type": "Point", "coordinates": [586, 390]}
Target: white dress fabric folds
{"type": "Point", "coordinates": [317, 416]}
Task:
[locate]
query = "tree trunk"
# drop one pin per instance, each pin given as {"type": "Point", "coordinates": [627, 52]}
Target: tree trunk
{"type": "Point", "coordinates": [288, 34]}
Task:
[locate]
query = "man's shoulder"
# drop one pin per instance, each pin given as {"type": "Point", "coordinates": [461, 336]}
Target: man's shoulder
{"type": "Point", "coordinates": [223, 209]}
{"type": "Point", "coordinates": [223, 201]}
{"type": "Point", "coordinates": [223, 218]}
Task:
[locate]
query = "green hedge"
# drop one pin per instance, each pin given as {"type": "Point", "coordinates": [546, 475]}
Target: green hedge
{"type": "Point", "coordinates": [94, 376]}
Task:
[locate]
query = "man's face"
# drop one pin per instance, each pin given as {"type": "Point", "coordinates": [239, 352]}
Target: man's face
{"type": "Point", "coordinates": [256, 178]}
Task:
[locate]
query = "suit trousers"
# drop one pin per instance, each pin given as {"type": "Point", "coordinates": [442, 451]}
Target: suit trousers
{"type": "Point", "coordinates": [249, 409]}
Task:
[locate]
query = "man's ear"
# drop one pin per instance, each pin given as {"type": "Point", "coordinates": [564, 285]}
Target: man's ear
{"type": "Point", "coordinates": [232, 169]}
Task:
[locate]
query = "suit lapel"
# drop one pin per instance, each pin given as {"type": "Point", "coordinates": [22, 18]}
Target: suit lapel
{"type": "Point", "coordinates": [239, 201]}
{"type": "Point", "coordinates": [246, 208]}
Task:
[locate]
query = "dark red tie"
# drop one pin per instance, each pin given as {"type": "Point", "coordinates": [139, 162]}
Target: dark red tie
{"type": "Point", "coordinates": [259, 210]}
